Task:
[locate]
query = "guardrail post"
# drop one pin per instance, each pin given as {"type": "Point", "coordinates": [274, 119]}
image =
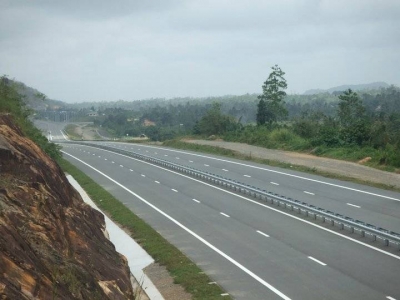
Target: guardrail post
{"type": "Point", "coordinates": [362, 233]}
{"type": "Point", "coordinates": [341, 225]}
{"type": "Point", "coordinates": [386, 242]}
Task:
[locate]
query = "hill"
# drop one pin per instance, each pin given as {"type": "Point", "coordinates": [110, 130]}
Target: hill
{"type": "Point", "coordinates": [354, 87]}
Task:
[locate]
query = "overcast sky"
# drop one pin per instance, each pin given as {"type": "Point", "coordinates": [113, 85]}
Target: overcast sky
{"type": "Point", "coordinates": [99, 50]}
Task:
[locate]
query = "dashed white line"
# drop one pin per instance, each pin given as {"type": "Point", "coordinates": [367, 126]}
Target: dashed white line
{"type": "Point", "coordinates": [113, 162]}
{"type": "Point", "coordinates": [317, 261]}
{"type": "Point", "coordinates": [121, 166]}
{"type": "Point", "coordinates": [195, 200]}
{"type": "Point", "coordinates": [142, 175]}
{"type": "Point", "coordinates": [174, 190]}
{"type": "Point", "coordinates": [105, 159]}
{"type": "Point", "coordinates": [206, 165]}
{"type": "Point", "coordinates": [262, 233]}
{"type": "Point", "coordinates": [165, 154]}
{"type": "Point", "coordinates": [131, 170]}
{"type": "Point", "coordinates": [390, 298]}
{"type": "Point", "coordinates": [309, 193]}
{"type": "Point", "coordinates": [224, 294]}
{"type": "Point", "coordinates": [190, 161]}
{"type": "Point", "coordinates": [99, 156]}
{"type": "Point", "coordinates": [247, 176]}
{"type": "Point", "coordinates": [353, 205]}
{"type": "Point", "coordinates": [225, 170]}
{"type": "Point", "coordinates": [155, 153]}
{"type": "Point", "coordinates": [224, 214]}
{"type": "Point", "coordinates": [156, 181]}
{"type": "Point", "coordinates": [274, 183]}
{"type": "Point", "coordinates": [177, 157]}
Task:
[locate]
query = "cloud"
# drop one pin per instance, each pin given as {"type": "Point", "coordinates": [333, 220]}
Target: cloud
{"type": "Point", "coordinates": [100, 50]}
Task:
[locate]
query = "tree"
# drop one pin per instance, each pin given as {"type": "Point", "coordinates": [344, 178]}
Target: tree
{"type": "Point", "coordinates": [271, 107]}
{"type": "Point", "coordinates": [214, 122]}
{"type": "Point", "coordinates": [352, 118]}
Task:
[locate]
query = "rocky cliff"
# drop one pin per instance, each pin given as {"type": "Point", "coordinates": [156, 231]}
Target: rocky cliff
{"type": "Point", "coordinates": [51, 244]}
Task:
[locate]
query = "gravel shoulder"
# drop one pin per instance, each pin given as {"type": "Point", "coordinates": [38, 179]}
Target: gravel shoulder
{"type": "Point", "coordinates": [327, 165]}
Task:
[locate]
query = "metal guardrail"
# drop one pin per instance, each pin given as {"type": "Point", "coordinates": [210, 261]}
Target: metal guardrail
{"type": "Point", "coordinates": [388, 237]}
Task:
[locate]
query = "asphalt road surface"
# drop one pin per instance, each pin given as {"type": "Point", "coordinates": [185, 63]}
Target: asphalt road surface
{"type": "Point", "coordinates": [253, 250]}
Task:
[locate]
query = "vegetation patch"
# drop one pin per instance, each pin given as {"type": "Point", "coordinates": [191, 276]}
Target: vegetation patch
{"type": "Point", "coordinates": [181, 268]}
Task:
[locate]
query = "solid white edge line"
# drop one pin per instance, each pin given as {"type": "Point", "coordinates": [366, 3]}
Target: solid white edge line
{"type": "Point", "coordinates": [390, 298]}
{"type": "Point", "coordinates": [260, 204]}
{"type": "Point", "coordinates": [309, 193]}
{"type": "Point", "coordinates": [227, 257]}
{"type": "Point", "coordinates": [225, 215]}
{"type": "Point", "coordinates": [279, 172]}
{"type": "Point", "coordinates": [262, 233]}
{"type": "Point", "coordinates": [247, 176]}
{"type": "Point", "coordinates": [174, 190]}
{"type": "Point", "coordinates": [353, 205]}
{"type": "Point", "coordinates": [156, 181]}
{"type": "Point", "coordinates": [225, 170]}
{"type": "Point", "coordinates": [317, 261]}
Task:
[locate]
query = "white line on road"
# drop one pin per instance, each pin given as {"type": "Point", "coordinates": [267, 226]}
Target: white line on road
{"type": "Point", "coordinates": [177, 157]}
{"type": "Point", "coordinates": [254, 202]}
{"type": "Point", "coordinates": [274, 183]}
{"type": "Point", "coordinates": [196, 200]}
{"type": "Point", "coordinates": [260, 232]}
{"type": "Point", "coordinates": [224, 214]}
{"type": "Point", "coordinates": [105, 159]}
{"type": "Point", "coordinates": [131, 170]}
{"type": "Point", "coordinates": [165, 154]}
{"type": "Point", "coordinates": [281, 173]}
{"type": "Point", "coordinates": [121, 166]}
{"type": "Point", "coordinates": [174, 190]}
{"type": "Point", "coordinates": [205, 242]}
{"type": "Point", "coordinates": [113, 162]}
{"type": "Point", "coordinates": [353, 205]}
{"type": "Point", "coordinates": [142, 175]}
{"type": "Point", "coordinates": [247, 176]}
{"type": "Point", "coordinates": [309, 193]}
{"type": "Point", "coordinates": [206, 165]}
{"type": "Point", "coordinates": [390, 298]}
{"type": "Point", "coordinates": [225, 170]}
{"type": "Point", "coordinates": [316, 260]}
{"type": "Point", "coordinates": [224, 294]}
{"type": "Point", "coordinates": [156, 181]}
{"type": "Point", "coordinates": [191, 161]}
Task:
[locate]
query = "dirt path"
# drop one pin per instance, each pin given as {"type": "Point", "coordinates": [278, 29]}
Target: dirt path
{"type": "Point", "coordinates": [344, 168]}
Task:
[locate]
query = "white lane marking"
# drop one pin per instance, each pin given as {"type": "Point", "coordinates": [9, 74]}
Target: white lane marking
{"type": "Point", "coordinates": [390, 298]}
{"type": "Point", "coordinates": [113, 162]}
{"type": "Point", "coordinates": [309, 193]}
{"type": "Point", "coordinates": [224, 214]}
{"type": "Point", "coordinates": [264, 234]}
{"type": "Point", "coordinates": [353, 205]}
{"type": "Point", "coordinates": [205, 242]}
{"type": "Point", "coordinates": [224, 294]}
{"type": "Point", "coordinates": [247, 176]}
{"type": "Point", "coordinates": [99, 156]}
{"type": "Point", "coordinates": [94, 153]}
{"type": "Point", "coordinates": [131, 170]}
{"type": "Point", "coordinates": [260, 204]}
{"type": "Point", "coordinates": [190, 161]}
{"type": "Point", "coordinates": [105, 159]}
{"type": "Point", "coordinates": [274, 183]}
{"type": "Point", "coordinates": [195, 200]}
{"type": "Point", "coordinates": [155, 153]}
{"type": "Point", "coordinates": [142, 175]}
{"type": "Point", "coordinates": [121, 166]}
{"type": "Point", "coordinates": [174, 190]}
{"type": "Point", "coordinates": [225, 170]}
{"type": "Point", "coordinates": [147, 151]}
{"type": "Point", "coordinates": [156, 181]}
{"type": "Point", "coordinates": [212, 282]}
{"type": "Point", "coordinates": [317, 261]}
{"type": "Point", "coordinates": [281, 173]}
{"type": "Point", "coordinates": [206, 165]}
{"type": "Point", "coordinates": [165, 154]}
{"type": "Point", "coordinates": [177, 157]}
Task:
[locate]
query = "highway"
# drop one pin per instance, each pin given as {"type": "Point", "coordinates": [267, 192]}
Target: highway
{"type": "Point", "coordinates": [253, 250]}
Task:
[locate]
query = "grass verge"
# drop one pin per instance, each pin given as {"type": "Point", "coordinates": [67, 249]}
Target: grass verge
{"type": "Point", "coordinates": [181, 268]}
{"type": "Point", "coordinates": [178, 144]}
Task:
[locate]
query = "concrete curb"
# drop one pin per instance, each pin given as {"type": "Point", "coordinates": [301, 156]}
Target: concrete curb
{"type": "Point", "coordinates": [137, 258]}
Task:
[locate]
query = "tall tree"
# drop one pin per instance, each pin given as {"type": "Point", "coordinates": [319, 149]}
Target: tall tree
{"type": "Point", "coordinates": [271, 106]}
{"type": "Point", "coordinates": [353, 119]}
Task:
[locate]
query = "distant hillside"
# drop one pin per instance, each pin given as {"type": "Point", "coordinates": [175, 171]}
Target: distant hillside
{"type": "Point", "coordinates": [34, 99]}
{"type": "Point", "coordinates": [354, 87]}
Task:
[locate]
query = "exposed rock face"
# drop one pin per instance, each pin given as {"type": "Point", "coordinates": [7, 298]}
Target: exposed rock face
{"type": "Point", "coordinates": [51, 243]}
